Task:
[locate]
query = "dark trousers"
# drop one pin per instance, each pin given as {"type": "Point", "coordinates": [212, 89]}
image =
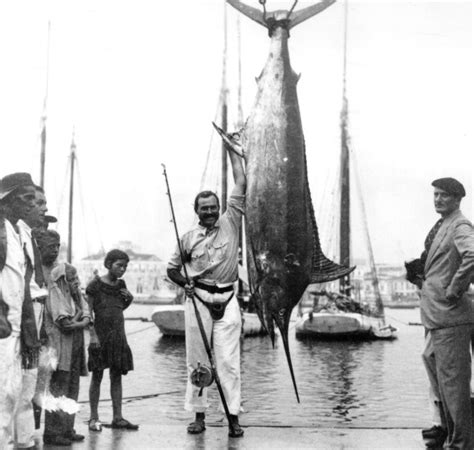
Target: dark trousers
{"type": "Point", "coordinates": [447, 359]}
{"type": "Point", "coordinates": [60, 423]}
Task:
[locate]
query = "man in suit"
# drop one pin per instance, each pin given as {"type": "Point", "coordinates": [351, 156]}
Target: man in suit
{"type": "Point", "coordinates": [446, 313]}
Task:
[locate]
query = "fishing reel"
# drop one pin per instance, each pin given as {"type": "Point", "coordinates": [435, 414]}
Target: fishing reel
{"type": "Point", "coordinates": [202, 377]}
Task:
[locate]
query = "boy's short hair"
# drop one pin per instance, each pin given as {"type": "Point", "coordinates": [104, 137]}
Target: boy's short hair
{"type": "Point", "coordinates": [44, 237]}
{"type": "Point", "coordinates": [113, 256]}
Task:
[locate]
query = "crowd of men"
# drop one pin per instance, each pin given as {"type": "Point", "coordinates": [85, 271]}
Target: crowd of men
{"type": "Point", "coordinates": [28, 252]}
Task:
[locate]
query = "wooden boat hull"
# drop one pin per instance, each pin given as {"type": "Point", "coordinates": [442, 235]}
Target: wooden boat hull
{"type": "Point", "coordinates": [170, 321]}
{"type": "Point", "coordinates": [340, 325]}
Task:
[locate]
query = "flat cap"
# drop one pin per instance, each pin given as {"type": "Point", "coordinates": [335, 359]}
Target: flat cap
{"type": "Point", "coordinates": [13, 181]}
{"type": "Point", "coordinates": [450, 185]}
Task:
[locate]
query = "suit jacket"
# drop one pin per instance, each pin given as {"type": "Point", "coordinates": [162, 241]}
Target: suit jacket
{"type": "Point", "coordinates": [449, 268]}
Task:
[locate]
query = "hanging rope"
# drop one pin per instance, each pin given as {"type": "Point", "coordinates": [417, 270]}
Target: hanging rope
{"type": "Point", "coordinates": [263, 3]}
{"type": "Point", "coordinates": [291, 10]}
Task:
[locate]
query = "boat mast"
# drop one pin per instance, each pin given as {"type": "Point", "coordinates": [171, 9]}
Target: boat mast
{"type": "Point", "coordinates": [242, 290]}
{"type": "Point", "coordinates": [71, 199]}
{"type": "Point", "coordinates": [344, 180]}
{"type": "Point", "coordinates": [43, 117]}
{"type": "Point", "coordinates": [224, 114]}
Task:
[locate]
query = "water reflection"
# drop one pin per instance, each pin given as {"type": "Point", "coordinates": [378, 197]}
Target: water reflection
{"type": "Point", "coordinates": [340, 383]}
{"type": "Point", "coordinates": [172, 346]}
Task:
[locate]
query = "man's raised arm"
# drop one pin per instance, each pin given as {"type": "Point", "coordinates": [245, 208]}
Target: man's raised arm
{"type": "Point", "coordinates": [238, 173]}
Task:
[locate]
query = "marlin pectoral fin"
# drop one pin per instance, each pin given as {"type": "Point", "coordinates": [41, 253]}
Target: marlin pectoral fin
{"type": "Point", "coordinates": [230, 141]}
{"type": "Point", "coordinates": [297, 17]}
{"type": "Point", "coordinates": [249, 11]}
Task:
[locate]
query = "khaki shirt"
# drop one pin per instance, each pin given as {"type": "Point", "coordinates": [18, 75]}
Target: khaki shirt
{"type": "Point", "coordinates": [212, 255]}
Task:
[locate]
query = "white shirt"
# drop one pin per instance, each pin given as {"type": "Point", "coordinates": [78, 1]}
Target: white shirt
{"type": "Point", "coordinates": [26, 237]}
{"type": "Point", "coordinates": [12, 277]}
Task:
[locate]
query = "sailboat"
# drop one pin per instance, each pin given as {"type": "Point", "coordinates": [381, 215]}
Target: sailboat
{"type": "Point", "coordinates": [170, 318]}
{"type": "Point", "coordinates": [342, 314]}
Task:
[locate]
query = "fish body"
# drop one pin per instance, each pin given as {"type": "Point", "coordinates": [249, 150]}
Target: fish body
{"type": "Point", "coordinates": [284, 252]}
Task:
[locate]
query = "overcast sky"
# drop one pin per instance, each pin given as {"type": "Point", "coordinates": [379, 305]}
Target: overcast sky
{"type": "Point", "coordinates": [139, 82]}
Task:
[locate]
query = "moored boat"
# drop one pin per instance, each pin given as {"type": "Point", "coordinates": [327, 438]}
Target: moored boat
{"type": "Point", "coordinates": [170, 321]}
{"type": "Point", "coordinates": [342, 325]}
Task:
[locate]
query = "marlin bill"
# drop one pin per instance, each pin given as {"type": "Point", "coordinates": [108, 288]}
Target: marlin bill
{"type": "Point", "coordinates": [283, 247]}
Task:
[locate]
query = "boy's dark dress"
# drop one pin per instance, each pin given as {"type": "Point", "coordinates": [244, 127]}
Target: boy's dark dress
{"type": "Point", "coordinates": [108, 303]}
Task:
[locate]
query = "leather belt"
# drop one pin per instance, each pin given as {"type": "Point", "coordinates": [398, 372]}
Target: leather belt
{"type": "Point", "coordinates": [213, 289]}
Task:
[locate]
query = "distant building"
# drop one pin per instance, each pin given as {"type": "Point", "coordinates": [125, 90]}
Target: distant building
{"type": "Point", "coordinates": [145, 276]}
{"type": "Point", "coordinates": [394, 288]}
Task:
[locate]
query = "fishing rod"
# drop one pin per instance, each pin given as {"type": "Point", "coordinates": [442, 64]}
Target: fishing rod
{"type": "Point", "coordinates": [198, 314]}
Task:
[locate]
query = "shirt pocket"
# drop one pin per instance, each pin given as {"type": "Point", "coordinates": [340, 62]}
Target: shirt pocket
{"type": "Point", "coordinates": [198, 260]}
{"type": "Point", "coordinates": [219, 250]}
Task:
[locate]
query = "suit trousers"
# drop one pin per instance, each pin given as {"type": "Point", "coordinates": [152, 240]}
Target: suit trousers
{"type": "Point", "coordinates": [225, 337]}
{"type": "Point", "coordinates": [447, 358]}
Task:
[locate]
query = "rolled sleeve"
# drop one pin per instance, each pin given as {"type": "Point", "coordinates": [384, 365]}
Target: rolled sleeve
{"type": "Point", "coordinates": [235, 209]}
{"type": "Point", "coordinates": [175, 260]}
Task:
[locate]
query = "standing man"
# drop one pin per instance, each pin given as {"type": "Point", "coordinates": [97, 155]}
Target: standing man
{"type": "Point", "coordinates": [446, 313]}
{"type": "Point", "coordinates": [20, 349]}
{"type": "Point", "coordinates": [211, 251]}
{"type": "Point", "coordinates": [34, 223]}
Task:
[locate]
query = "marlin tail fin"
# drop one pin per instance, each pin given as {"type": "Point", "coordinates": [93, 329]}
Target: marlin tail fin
{"type": "Point", "coordinates": [267, 18]}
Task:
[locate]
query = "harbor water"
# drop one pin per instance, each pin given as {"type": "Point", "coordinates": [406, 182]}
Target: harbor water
{"type": "Point", "coordinates": [378, 384]}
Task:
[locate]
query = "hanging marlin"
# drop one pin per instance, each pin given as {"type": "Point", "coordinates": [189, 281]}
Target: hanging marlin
{"type": "Point", "coordinates": [284, 251]}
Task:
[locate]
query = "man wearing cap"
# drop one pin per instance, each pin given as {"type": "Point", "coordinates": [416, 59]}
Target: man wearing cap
{"type": "Point", "coordinates": [446, 313]}
{"type": "Point", "coordinates": [34, 223]}
{"type": "Point", "coordinates": [211, 258]}
{"type": "Point", "coordinates": [20, 349]}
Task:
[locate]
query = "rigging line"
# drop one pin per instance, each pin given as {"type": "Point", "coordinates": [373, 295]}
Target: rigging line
{"type": "Point", "coordinates": [210, 148]}
{"type": "Point", "coordinates": [292, 8]}
{"type": "Point", "coordinates": [79, 181]}
{"type": "Point", "coordinates": [143, 329]}
{"type": "Point", "coordinates": [375, 282]}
